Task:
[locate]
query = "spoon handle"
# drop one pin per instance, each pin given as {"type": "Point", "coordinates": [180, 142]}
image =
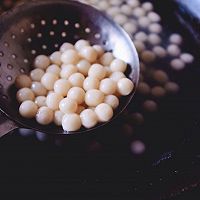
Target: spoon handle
{"type": "Point", "coordinates": [6, 127]}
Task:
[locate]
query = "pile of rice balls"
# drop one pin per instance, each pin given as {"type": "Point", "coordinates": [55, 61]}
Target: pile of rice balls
{"type": "Point", "coordinates": [79, 85]}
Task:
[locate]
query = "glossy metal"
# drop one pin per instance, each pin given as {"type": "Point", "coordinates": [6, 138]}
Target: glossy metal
{"type": "Point", "coordinates": [40, 28]}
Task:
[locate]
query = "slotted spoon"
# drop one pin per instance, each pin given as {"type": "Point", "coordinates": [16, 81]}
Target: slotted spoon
{"type": "Point", "coordinates": [40, 27]}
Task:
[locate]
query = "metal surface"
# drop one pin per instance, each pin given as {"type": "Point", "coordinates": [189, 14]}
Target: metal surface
{"type": "Point", "coordinates": [40, 28]}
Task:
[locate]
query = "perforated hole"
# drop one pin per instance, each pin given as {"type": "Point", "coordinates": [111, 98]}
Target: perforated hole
{"type": "Point", "coordinates": [6, 44]}
{"type": "Point", "coordinates": [14, 56]}
{"type": "Point", "coordinates": [87, 30]}
{"type": "Point", "coordinates": [13, 36]}
{"type": "Point", "coordinates": [104, 42]}
{"type": "Point", "coordinates": [66, 22]}
{"type": "Point", "coordinates": [22, 70]}
{"type": "Point", "coordinates": [39, 35]}
{"type": "Point", "coordinates": [56, 45]}
{"type": "Point", "coordinates": [32, 26]}
{"type": "Point", "coordinates": [9, 78]}
{"type": "Point", "coordinates": [25, 60]}
{"type": "Point", "coordinates": [33, 52]}
{"type": "Point", "coordinates": [64, 34]}
{"type": "Point", "coordinates": [44, 46]}
{"type": "Point", "coordinates": [1, 54]}
{"type": "Point", "coordinates": [4, 97]}
{"type": "Point", "coordinates": [22, 30]}
{"type": "Point", "coordinates": [77, 25]}
{"type": "Point", "coordinates": [43, 22]}
{"type": "Point", "coordinates": [52, 33]}
{"type": "Point", "coordinates": [29, 39]}
{"type": "Point", "coordinates": [97, 35]}
{"type": "Point", "coordinates": [55, 21]}
{"type": "Point", "coordinates": [76, 37]}
{"type": "Point", "coordinates": [9, 66]}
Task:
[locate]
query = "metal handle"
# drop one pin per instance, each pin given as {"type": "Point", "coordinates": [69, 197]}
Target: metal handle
{"type": "Point", "coordinates": [6, 127]}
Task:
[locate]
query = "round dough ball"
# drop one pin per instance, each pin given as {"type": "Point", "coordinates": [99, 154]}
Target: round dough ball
{"type": "Point", "coordinates": [80, 44]}
{"type": "Point", "coordinates": [89, 53]}
{"type": "Point", "coordinates": [94, 97]}
{"type": "Point", "coordinates": [187, 58]}
{"type": "Point", "coordinates": [106, 59]}
{"type": "Point", "coordinates": [48, 80]}
{"type": "Point", "coordinates": [154, 17]}
{"type": "Point", "coordinates": [80, 109]}
{"type": "Point", "coordinates": [127, 10]}
{"type": "Point", "coordinates": [143, 22]}
{"type": "Point", "coordinates": [160, 51]}
{"type": "Point", "coordinates": [68, 105]}
{"type": "Point", "coordinates": [76, 79]}
{"type": "Point", "coordinates": [25, 94]}
{"type": "Point", "coordinates": [120, 19]}
{"type": "Point", "coordinates": [150, 106]}
{"type": "Point", "coordinates": [147, 6]}
{"type": "Point", "coordinates": [172, 87]}
{"type": "Point", "coordinates": [141, 36]}
{"type": "Point", "coordinates": [22, 81]}
{"type": "Point", "coordinates": [154, 39]}
{"type": "Point", "coordinates": [138, 12]}
{"type": "Point", "coordinates": [104, 112]}
{"type": "Point", "coordinates": [68, 70]}
{"type": "Point", "coordinates": [155, 28]}
{"type": "Point", "coordinates": [133, 3]}
{"type": "Point", "coordinates": [99, 49]}
{"type": "Point", "coordinates": [71, 122]}
{"type": "Point", "coordinates": [118, 65]}
{"type": "Point", "coordinates": [37, 74]}
{"type": "Point", "coordinates": [112, 101]}
{"type": "Point", "coordinates": [158, 91]}
{"type": "Point", "coordinates": [70, 57]}
{"type": "Point", "coordinates": [176, 38]}
{"type": "Point", "coordinates": [103, 5]}
{"type": "Point", "coordinates": [160, 76]}
{"type": "Point", "coordinates": [58, 116]}
{"type": "Point", "coordinates": [91, 83]}
{"type": "Point", "coordinates": [112, 11]}
{"type": "Point", "coordinates": [62, 87]}
{"type": "Point", "coordinates": [116, 76]}
{"type": "Point", "coordinates": [88, 118]}
{"type": "Point", "coordinates": [77, 94]}
{"type": "Point", "coordinates": [173, 50]}
{"type": "Point", "coordinates": [38, 89]}
{"type": "Point", "coordinates": [115, 2]}
{"type": "Point", "coordinates": [97, 71]}
{"type": "Point", "coordinates": [148, 56]}
{"type": "Point", "coordinates": [130, 28]}
{"type": "Point", "coordinates": [44, 115]}
{"type": "Point", "coordinates": [54, 69]}
{"type": "Point", "coordinates": [40, 101]}
{"type": "Point", "coordinates": [177, 64]}
{"type": "Point", "coordinates": [66, 46]}
{"type": "Point", "coordinates": [53, 100]}
{"type": "Point", "coordinates": [139, 45]}
{"type": "Point", "coordinates": [28, 109]}
{"type": "Point", "coordinates": [42, 62]}
{"type": "Point", "coordinates": [83, 67]}
{"type": "Point", "coordinates": [125, 86]}
{"type": "Point", "coordinates": [56, 58]}
{"type": "Point", "coordinates": [108, 86]}
{"type": "Point", "coordinates": [144, 88]}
